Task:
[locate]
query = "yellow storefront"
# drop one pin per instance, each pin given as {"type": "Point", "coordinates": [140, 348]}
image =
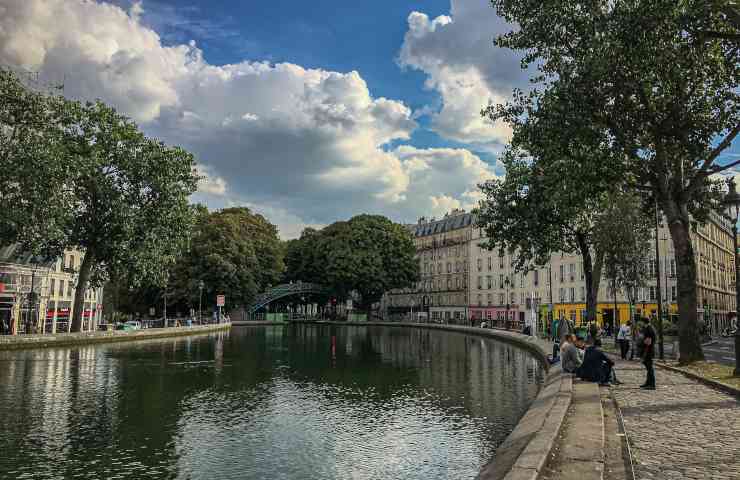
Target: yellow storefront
{"type": "Point", "coordinates": [576, 312]}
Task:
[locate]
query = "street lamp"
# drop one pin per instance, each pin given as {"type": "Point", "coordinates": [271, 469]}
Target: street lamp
{"type": "Point", "coordinates": [200, 301]}
{"type": "Point", "coordinates": [732, 207]}
{"type": "Point", "coordinates": [506, 284]}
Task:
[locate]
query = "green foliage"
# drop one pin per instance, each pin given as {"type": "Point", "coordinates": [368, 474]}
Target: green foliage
{"type": "Point", "coordinates": [368, 254]}
{"type": "Point", "coordinates": [33, 167]}
{"type": "Point", "coordinates": [657, 81]}
{"type": "Point", "coordinates": [98, 185]}
{"type": "Point", "coordinates": [232, 251]}
{"type": "Point", "coordinates": [623, 234]}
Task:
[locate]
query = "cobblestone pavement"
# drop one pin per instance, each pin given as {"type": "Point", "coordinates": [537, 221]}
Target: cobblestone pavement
{"type": "Point", "coordinates": [681, 430]}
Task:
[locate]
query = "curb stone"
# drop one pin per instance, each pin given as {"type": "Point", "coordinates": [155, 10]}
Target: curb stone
{"type": "Point", "coordinates": [23, 342]}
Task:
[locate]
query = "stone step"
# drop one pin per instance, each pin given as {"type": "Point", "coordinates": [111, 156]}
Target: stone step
{"type": "Point", "coordinates": [579, 451]}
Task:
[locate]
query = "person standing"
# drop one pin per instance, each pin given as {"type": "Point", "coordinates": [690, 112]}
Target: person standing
{"type": "Point", "coordinates": [623, 339]}
{"type": "Point", "coordinates": [648, 353]}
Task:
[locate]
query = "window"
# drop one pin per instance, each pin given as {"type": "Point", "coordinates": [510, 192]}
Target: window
{"type": "Point", "coordinates": [501, 280]}
{"type": "Point", "coordinates": [488, 281]}
{"type": "Point", "coordinates": [572, 294]}
{"type": "Point", "coordinates": [480, 282]}
{"type": "Point", "coordinates": [480, 264]}
{"type": "Point", "coordinates": [572, 271]}
{"type": "Point", "coordinates": [457, 266]}
{"type": "Point", "coordinates": [513, 298]}
{"type": "Point", "coordinates": [53, 284]}
{"type": "Point", "coordinates": [652, 293]}
{"type": "Point", "coordinates": [583, 294]}
{"type": "Point", "coordinates": [673, 267]}
{"type": "Point", "coordinates": [673, 293]}
{"type": "Point", "coordinates": [490, 260]}
{"type": "Point", "coordinates": [580, 270]}
{"type": "Point", "coordinates": [439, 268]}
{"type": "Point", "coordinates": [69, 289]}
{"type": "Point", "coordinates": [60, 293]}
{"type": "Point", "coordinates": [480, 299]}
{"type": "Point", "coordinates": [522, 279]}
{"type": "Point", "coordinates": [500, 298]}
{"type": "Point", "coordinates": [449, 267]}
{"type": "Point", "coordinates": [561, 293]}
{"type": "Point", "coordinates": [489, 298]}
{"type": "Point", "coordinates": [536, 279]}
{"type": "Point", "coordinates": [449, 284]}
{"type": "Point", "coordinates": [562, 273]}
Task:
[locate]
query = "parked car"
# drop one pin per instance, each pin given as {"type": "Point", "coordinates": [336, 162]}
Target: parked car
{"type": "Point", "coordinates": [129, 326]}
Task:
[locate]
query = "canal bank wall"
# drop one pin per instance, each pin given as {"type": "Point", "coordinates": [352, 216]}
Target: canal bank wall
{"type": "Point", "coordinates": [20, 342]}
{"type": "Point", "coordinates": [524, 452]}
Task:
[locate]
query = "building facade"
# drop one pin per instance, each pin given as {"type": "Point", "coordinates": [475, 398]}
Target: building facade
{"type": "Point", "coordinates": [443, 251]}
{"type": "Point", "coordinates": [463, 282]}
{"type": "Point", "coordinates": [36, 295]}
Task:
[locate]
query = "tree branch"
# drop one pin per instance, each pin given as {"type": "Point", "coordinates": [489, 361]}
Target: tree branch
{"type": "Point", "coordinates": [715, 153]}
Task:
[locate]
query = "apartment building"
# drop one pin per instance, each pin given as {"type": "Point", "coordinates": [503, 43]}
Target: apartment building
{"type": "Point", "coordinates": [443, 250]}
{"type": "Point", "coordinates": [715, 261]}
{"type": "Point", "coordinates": [36, 295]}
{"type": "Point", "coordinates": [498, 291]}
{"type": "Point", "coordinates": [462, 282]}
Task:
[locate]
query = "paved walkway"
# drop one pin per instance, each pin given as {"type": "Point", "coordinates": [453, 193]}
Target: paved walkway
{"type": "Point", "coordinates": [682, 430]}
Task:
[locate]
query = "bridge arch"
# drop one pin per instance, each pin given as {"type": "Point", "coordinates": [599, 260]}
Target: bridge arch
{"type": "Point", "coordinates": [286, 290]}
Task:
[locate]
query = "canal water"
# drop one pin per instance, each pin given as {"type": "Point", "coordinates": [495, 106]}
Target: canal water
{"type": "Point", "coordinates": [293, 402]}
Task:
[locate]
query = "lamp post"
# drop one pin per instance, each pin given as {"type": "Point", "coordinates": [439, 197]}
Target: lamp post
{"type": "Point", "coordinates": [200, 301]}
{"type": "Point", "coordinates": [732, 206]}
{"type": "Point", "coordinates": [506, 283]}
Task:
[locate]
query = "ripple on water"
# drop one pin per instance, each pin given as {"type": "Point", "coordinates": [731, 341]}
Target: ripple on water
{"type": "Point", "coordinates": [264, 403]}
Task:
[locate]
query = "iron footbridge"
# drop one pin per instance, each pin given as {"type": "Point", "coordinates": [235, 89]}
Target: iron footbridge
{"type": "Point", "coordinates": [286, 290]}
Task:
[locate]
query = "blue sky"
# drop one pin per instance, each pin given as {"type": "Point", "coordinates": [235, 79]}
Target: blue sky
{"type": "Point", "coordinates": [326, 34]}
{"type": "Point", "coordinates": [307, 112]}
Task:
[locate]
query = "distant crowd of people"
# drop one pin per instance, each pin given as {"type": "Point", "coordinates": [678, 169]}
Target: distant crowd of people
{"type": "Point", "coordinates": [584, 357]}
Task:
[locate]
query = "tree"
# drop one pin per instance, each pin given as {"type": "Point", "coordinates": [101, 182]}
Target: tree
{"type": "Point", "coordinates": [33, 166]}
{"type": "Point", "coordinates": [367, 254]}
{"type": "Point", "coordinates": [234, 252]}
{"type": "Point", "coordinates": [119, 197]}
{"type": "Point", "coordinates": [623, 236]}
{"type": "Point", "coordinates": [659, 78]}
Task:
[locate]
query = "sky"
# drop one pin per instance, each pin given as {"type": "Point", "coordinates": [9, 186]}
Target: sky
{"type": "Point", "coordinates": [306, 112]}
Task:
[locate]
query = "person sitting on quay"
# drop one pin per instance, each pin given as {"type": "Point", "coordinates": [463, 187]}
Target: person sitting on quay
{"type": "Point", "coordinates": [570, 358]}
{"type": "Point", "coordinates": [596, 366]}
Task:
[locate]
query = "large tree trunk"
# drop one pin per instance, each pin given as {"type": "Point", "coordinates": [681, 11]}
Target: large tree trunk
{"type": "Point", "coordinates": [82, 280]}
{"type": "Point", "coordinates": [592, 275]}
{"type": "Point", "coordinates": [688, 327]}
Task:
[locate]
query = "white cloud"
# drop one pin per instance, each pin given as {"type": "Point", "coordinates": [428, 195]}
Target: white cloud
{"type": "Point", "coordinates": [462, 65]}
{"type": "Point", "coordinates": [209, 183]}
{"type": "Point", "coordinates": [308, 146]}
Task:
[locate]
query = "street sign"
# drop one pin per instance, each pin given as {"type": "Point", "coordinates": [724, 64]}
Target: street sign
{"type": "Point", "coordinates": [220, 300]}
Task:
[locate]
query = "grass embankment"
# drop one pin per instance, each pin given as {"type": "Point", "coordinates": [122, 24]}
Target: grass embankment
{"type": "Point", "coordinates": [711, 370]}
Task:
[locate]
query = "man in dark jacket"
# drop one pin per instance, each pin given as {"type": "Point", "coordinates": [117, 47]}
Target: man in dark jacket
{"type": "Point", "coordinates": [648, 352]}
{"type": "Point", "coordinates": [596, 366]}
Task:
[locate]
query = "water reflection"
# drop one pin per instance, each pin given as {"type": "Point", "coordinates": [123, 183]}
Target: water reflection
{"type": "Point", "coordinates": [295, 402]}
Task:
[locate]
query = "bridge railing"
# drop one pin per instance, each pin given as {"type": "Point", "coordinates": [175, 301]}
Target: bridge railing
{"type": "Point", "coordinates": [285, 290]}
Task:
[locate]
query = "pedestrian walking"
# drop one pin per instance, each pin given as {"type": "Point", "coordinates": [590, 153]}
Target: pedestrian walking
{"type": "Point", "coordinates": [648, 353]}
{"type": "Point", "coordinates": [623, 339]}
